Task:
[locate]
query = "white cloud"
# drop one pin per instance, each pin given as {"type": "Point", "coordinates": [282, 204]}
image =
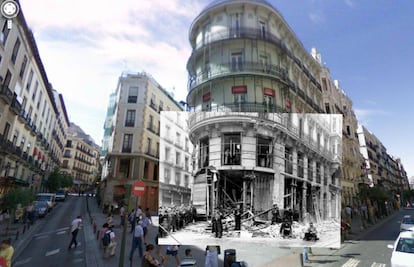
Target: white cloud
{"type": "Point", "coordinates": [85, 45]}
{"type": "Point", "coordinates": [317, 17]}
{"type": "Point", "coordinates": [350, 3]}
{"type": "Point", "coordinates": [364, 115]}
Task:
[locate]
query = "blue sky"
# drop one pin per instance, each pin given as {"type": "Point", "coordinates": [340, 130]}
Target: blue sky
{"type": "Point", "coordinates": [367, 45]}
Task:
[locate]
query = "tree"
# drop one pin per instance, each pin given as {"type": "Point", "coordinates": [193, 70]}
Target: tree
{"type": "Point", "coordinates": [54, 181]}
{"type": "Point", "coordinates": [67, 180]}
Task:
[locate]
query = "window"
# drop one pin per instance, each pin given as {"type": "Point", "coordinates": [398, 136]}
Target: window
{"type": "Point", "coordinates": [235, 25]}
{"type": "Point", "coordinates": [161, 107]}
{"type": "Point", "coordinates": [150, 123]}
{"type": "Point", "coordinates": [67, 153]}
{"type": "Point", "coordinates": [124, 165]}
{"type": "Point", "coordinates": [4, 33]}
{"type": "Point", "coordinates": [15, 50]}
{"type": "Point", "coordinates": [132, 95]}
{"type": "Point", "coordinates": [146, 170]}
{"type": "Point", "coordinates": [152, 101]}
{"type": "Point", "coordinates": [264, 152]}
{"type": "Point", "coordinates": [177, 158]}
{"type": "Point", "coordinates": [288, 160]}
{"type": "Point", "coordinates": [127, 143]}
{"type": "Point", "coordinates": [65, 163]}
{"type": "Point", "coordinates": [177, 178]}
{"type": "Point", "coordinates": [262, 28]}
{"type": "Point", "coordinates": [237, 61]}
{"type": "Point", "coordinates": [7, 79]}
{"type": "Point", "coordinates": [300, 165]}
{"type": "Point", "coordinates": [204, 153]}
{"type": "Point", "coordinates": [167, 153]}
{"type": "Point", "coordinates": [155, 172]}
{"type": "Point", "coordinates": [158, 150]}
{"type": "Point", "coordinates": [167, 175]}
{"type": "Point", "coordinates": [29, 80]}
{"type": "Point", "coordinates": [177, 138]}
{"type": "Point", "coordinates": [168, 132]}
{"type": "Point", "coordinates": [69, 143]}
{"type": "Point", "coordinates": [186, 162]}
{"type": "Point", "coordinates": [23, 67]}
{"type": "Point", "coordinates": [187, 147]}
{"type": "Point", "coordinates": [186, 180]}
{"type": "Point", "coordinates": [149, 146]}
{"type": "Point", "coordinates": [231, 149]}
{"type": "Point", "coordinates": [318, 173]}
{"type": "Point", "coordinates": [44, 109]}
{"type": "Point", "coordinates": [130, 118]}
{"type": "Point", "coordinates": [40, 100]}
{"type": "Point", "coordinates": [35, 91]}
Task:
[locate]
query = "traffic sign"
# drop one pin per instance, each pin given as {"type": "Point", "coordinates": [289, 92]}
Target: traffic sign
{"type": "Point", "coordinates": [138, 188]}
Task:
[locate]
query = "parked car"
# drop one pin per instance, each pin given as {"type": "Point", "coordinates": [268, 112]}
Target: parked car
{"type": "Point", "coordinates": [403, 250]}
{"type": "Point", "coordinates": [41, 208]}
{"type": "Point", "coordinates": [60, 195]}
{"type": "Point", "coordinates": [48, 197]}
{"type": "Point", "coordinates": [407, 223]}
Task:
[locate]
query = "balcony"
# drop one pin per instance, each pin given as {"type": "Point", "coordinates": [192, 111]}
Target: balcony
{"type": "Point", "coordinates": [16, 107]}
{"type": "Point", "coordinates": [6, 94]}
{"type": "Point", "coordinates": [226, 69]}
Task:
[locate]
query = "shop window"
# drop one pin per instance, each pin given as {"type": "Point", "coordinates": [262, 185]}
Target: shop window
{"type": "Point", "coordinates": [231, 149]}
{"type": "Point", "coordinates": [204, 153]}
{"type": "Point", "coordinates": [264, 152]}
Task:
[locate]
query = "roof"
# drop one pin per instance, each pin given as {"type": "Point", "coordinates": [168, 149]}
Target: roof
{"type": "Point", "coordinates": [222, 2]}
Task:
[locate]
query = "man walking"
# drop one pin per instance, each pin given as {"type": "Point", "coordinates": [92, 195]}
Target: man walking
{"type": "Point", "coordinates": [137, 240]}
{"type": "Point", "coordinates": [74, 229]}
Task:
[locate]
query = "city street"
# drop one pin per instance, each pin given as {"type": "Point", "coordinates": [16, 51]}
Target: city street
{"type": "Point", "coordinates": [370, 250]}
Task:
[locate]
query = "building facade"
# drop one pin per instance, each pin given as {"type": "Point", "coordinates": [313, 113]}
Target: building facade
{"type": "Point", "coordinates": [256, 160]}
{"type": "Point", "coordinates": [80, 159]}
{"type": "Point", "coordinates": [176, 160]}
{"type": "Point", "coordinates": [246, 58]}
{"type": "Point", "coordinates": [133, 150]}
{"type": "Point", "coordinates": [337, 102]}
{"type": "Point", "coordinates": [28, 110]}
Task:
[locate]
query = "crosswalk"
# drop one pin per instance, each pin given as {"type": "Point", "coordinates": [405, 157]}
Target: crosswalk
{"type": "Point", "coordinates": [355, 263]}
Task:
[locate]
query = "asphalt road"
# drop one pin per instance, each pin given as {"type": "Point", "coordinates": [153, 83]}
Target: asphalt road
{"type": "Point", "coordinates": [370, 250]}
{"type": "Point", "coordinates": [49, 246]}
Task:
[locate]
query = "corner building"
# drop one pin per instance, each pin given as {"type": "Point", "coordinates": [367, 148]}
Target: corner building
{"type": "Point", "coordinates": [261, 159]}
{"type": "Point", "coordinates": [134, 137]}
{"type": "Point", "coordinates": [246, 58]}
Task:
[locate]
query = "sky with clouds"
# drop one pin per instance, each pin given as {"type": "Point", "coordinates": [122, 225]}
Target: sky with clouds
{"type": "Point", "coordinates": [367, 45]}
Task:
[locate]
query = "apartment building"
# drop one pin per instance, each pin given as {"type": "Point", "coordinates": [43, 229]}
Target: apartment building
{"type": "Point", "coordinates": [256, 160]}
{"type": "Point", "coordinates": [133, 149]}
{"type": "Point", "coordinates": [337, 102]}
{"type": "Point", "coordinates": [246, 58]}
{"type": "Point", "coordinates": [176, 160]}
{"type": "Point", "coordinates": [80, 159]}
{"type": "Point", "coordinates": [29, 114]}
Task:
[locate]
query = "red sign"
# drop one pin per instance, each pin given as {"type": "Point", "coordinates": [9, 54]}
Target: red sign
{"type": "Point", "coordinates": [287, 102]}
{"type": "Point", "coordinates": [240, 89]}
{"type": "Point", "coordinates": [268, 91]}
{"type": "Point", "coordinates": [138, 188]}
{"type": "Point", "coordinates": [206, 97]}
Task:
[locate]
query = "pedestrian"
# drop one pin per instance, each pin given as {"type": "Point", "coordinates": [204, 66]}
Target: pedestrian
{"type": "Point", "coordinates": [218, 225]}
{"type": "Point", "coordinates": [148, 215]}
{"type": "Point", "coordinates": [212, 253]}
{"type": "Point", "coordinates": [145, 223]}
{"type": "Point", "coordinates": [311, 233]}
{"type": "Point", "coordinates": [188, 254]}
{"type": "Point", "coordinates": [137, 240]}
{"type": "Point", "coordinates": [237, 219]}
{"type": "Point", "coordinates": [109, 220]}
{"type": "Point", "coordinates": [286, 229]}
{"type": "Point", "coordinates": [148, 260]}
{"type": "Point", "coordinates": [74, 229]}
{"type": "Point", "coordinates": [6, 252]}
{"type": "Point", "coordinates": [122, 215]}
{"type": "Point", "coordinates": [132, 219]}
{"type": "Point", "coordinates": [110, 249]}
{"type": "Point", "coordinates": [102, 232]}
{"type": "Point", "coordinates": [173, 251]}
{"type": "Point", "coordinates": [161, 257]}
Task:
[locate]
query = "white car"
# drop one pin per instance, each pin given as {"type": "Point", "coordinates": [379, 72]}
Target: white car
{"type": "Point", "coordinates": [407, 223]}
{"type": "Point", "coordinates": [403, 250]}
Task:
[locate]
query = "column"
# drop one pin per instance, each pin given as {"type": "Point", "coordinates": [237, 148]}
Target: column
{"type": "Point", "coordinates": [322, 191]}
{"type": "Point", "coordinates": [304, 204]}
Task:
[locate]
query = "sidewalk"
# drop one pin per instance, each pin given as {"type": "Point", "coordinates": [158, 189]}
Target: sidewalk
{"type": "Point", "coordinates": [320, 254]}
{"type": "Point", "coordinates": [94, 253]}
{"type": "Point", "coordinates": [20, 234]}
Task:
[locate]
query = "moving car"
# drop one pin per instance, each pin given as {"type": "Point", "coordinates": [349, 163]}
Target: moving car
{"type": "Point", "coordinates": [403, 250]}
{"type": "Point", "coordinates": [41, 208]}
{"type": "Point", "coordinates": [60, 195]}
{"type": "Point", "coordinates": [48, 197]}
{"type": "Point", "coordinates": [407, 223]}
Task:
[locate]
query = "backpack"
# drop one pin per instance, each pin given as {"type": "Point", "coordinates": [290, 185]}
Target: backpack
{"type": "Point", "coordinates": [106, 239]}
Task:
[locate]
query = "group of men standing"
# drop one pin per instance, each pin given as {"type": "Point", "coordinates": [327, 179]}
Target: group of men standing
{"type": "Point", "coordinates": [174, 219]}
